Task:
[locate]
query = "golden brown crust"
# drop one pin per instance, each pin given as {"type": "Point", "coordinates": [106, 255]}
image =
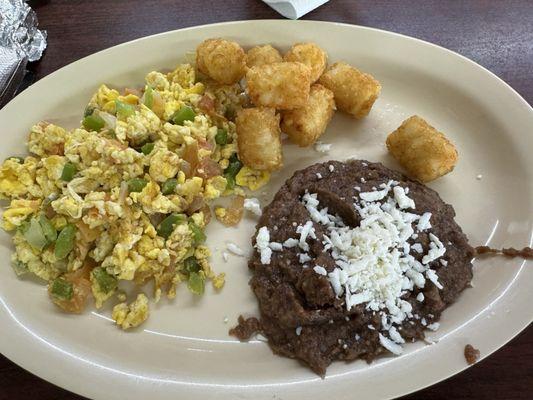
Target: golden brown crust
{"type": "Point", "coordinates": [262, 55]}
{"type": "Point", "coordinates": [258, 138]}
{"type": "Point", "coordinates": [355, 91]}
{"type": "Point", "coordinates": [425, 153]}
{"type": "Point", "coordinates": [311, 55]}
{"type": "Point", "coordinates": [305, 125]}
{"type": "Point", "coordinates": [222, 60]}
{"type": "Point", "coordinates": [284, 85]}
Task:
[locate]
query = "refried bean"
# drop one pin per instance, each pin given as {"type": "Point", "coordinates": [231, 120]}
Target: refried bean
{"type": "Point", "coordinates": [299, 312]}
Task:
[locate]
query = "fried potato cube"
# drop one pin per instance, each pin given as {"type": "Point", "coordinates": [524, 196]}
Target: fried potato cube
{"type": "Point", "coordinates": [258, 138]}
{"type": "Point", "coordinates": [423, 151]}
{"type": "Point", "coordinates": [261, 55]}
{"type": "Point", "coordinates": [284, 85]}
{"type": "Point", "coordinates": [221, 60]}
{"type": "Point", "coordinates": [305, 125]}
{"type": "Point", "coordinates": [311, 55]}
{"type": "Point", "coordinates": [355, 91]}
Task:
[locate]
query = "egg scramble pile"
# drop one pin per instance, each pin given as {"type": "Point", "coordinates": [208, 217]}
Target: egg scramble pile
{"type": "Point", "coordinates": [125, 196]}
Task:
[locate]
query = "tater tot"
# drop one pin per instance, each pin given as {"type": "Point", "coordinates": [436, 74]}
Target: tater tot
{"type": "Point", "coordinates": [284, 85]}
{"type": "Point", "coordinates": [355, 92]}
{"type": "Point", "coordinates": [258, 138]}
{"type": "Point", "coordinates": [221, 60]}
{"type": "Point", "coordinates": [261, 55]}
{"type": "Point", "coordinates": [311, 55]}
{"type": "Point", "coordinates": [305, 125]}
{"type": "Point", "coordinates": [424, 152]}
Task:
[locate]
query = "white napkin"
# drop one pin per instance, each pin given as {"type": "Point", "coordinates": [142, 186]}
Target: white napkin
{"type": "Point", "coordinates": [294, 9]}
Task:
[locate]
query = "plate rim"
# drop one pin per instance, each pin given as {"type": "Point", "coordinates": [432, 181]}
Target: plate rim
{"type": "Point", "coordinates": [63, 381]}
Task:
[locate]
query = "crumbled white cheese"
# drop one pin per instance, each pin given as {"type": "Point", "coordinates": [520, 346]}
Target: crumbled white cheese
{"type": "Point", "coordinates": [432, 276]}
{"type": "Point", "coordinates": [420, 297]}
{"type": "Point", "coordinates": [423, 222]}
{"type": "Point", "coordinates": [290, 242]}
{"type": "Point", "coordinates": [320, 270]}
{"type": "Point", "coordinates": [373, 196]}
{"type": "Point", "coordinates": [319, 175]}
{"type": "Point", "coordinates": [443, 262]}
{"type": "Point", "coordinates": [233, 248]}
{"type": "Point", "coordinates": [322, 147]}
{"type": "Point", "coordinates": [275, 246]}
{"type": "Point", "coordinates": [417, 247]}
{"type": "Point", "coordinates": [225, 256]}
{"type": "Point", "coordinates": [298, 331]}
{"type": "Point", "coordinates": [331, 168]}
{"type": "Point", "coordinates": [436, 250]}
{"type": "Point", "coordinates": [262, 242]}
{"type": "Point", "coordinates": [479, 177]}
{"type": "Point", "coordinates": [401, 198]}
{"type": "Point", "coordinates": [304, 257]}
{"type": "Point", "coordinates": [390, 345]}
{"type": "Point", "coordinates": [373, 264]}
{"type": "Point", "coordinates": [395, 335]}
{"type": "Point", "coordinates": [434, 326]}
{"type": "Point", "coordinates": [253, 205]}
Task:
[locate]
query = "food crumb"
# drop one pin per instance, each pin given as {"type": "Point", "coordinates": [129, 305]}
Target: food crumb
{"type": "Point", "coordinates": [225, 320]}
{"type": "Point", "coordinates": [471, 354]}
{"type": "Point", "coordinates": [225, 256]}
{"type": "Point", "coordinates": [479, 177]}
{"type": "Point", "coordinates": [322, 147]}
{"type": "Point", "coordinates": [233, 248]}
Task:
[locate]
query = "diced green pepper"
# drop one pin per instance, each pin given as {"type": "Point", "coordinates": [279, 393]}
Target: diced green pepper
{"type": "Point", "coordinates": [111, 133]}
{"type": "Point", "coordinates": [62, 289]}
{"type": "Point", "coordinates": [136, 184]}
{"type": "Point", "coordinates": [19, 159]}
{"type": "Point", "coordinates": [49, 231]}
{"type": "Point", "coordinates": [33, 233]}
{"type": "Point", "coordinates": [191, 264]}
{"type": "Point", "coordinates": [93, 123]}
{"type": "Point", "coordinates": [88, 111]}
{"type": "Point", "coordinates": [19, 267]}
{"type": "Point", "coordinates": [232, 170]}
{"type": "Point", "coordinates": [169, 186]}
{"type": "Point", "coordinates": [221, 138]}
{"type": "Point", "coordinates": [69, 170]}
{"type": "Point", "coordinates": [124, 110]}
{"type": "Point", "coordinates": [106, 282]}
{"type": "Point", "coordinates": [65, 241]}
{"type": "Point", "coordinates": [196, 283]}
{"type": "Point", "coordinates": [147, 148]}
{"type": "Point", "coordinates": [148, 97]}
{"type": "Point", "coordinates": [185, 113]}
{"type": "Point", "coordinates": [166, 227]}
{"type": "Point", "coordinates": [198, 235]}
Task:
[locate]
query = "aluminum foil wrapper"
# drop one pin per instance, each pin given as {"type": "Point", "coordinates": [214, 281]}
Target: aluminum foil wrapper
{"type": "Point", "coordinates": [20, 42]}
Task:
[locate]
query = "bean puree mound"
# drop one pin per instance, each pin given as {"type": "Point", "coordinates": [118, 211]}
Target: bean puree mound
{"type": "Point", "coordinates": [307, 312]}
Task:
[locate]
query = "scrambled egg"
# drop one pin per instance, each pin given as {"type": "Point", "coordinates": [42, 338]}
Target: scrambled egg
{"type": "Point", "coordinates": [132, 315]}
{"type": "Point", "coordinates": [123, 196]}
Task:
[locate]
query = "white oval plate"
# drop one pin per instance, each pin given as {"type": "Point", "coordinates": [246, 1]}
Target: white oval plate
{"type": "Point", "coordinates": [184, 351]}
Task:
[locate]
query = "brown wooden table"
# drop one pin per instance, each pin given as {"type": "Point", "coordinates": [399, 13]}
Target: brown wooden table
{"type": "Point", "coordinates": [497, 34]}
